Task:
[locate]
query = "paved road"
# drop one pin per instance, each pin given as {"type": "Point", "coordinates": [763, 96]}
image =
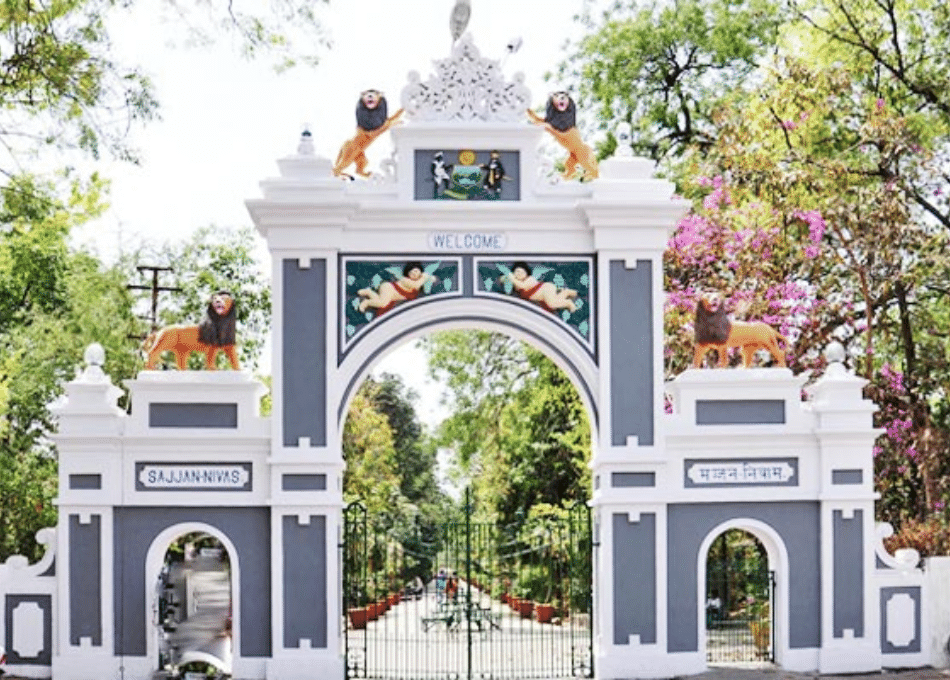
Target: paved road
{"type": "Point", "coordinates": [779, 674]}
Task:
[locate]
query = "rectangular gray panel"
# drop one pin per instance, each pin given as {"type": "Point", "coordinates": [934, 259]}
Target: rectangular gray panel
{"type": "Point", "coordinates": [304, 352]}
{"type": "Point", "coordinates": [136, 528]}
{"type": "Point", "coordinates": [740, 412]}
{"type": "Point", "coordinates": [85, 580]}
{"type": "Point", "coordinates": [632, 479]}
{"type": "Point", "coordinates": [847, 477]}
{"type": "Point", "coordinates": [208, 415]}
{"type": "Point", "coordinates": [798, 525]}
{"type": "Point", "coordinates": [45, 655]}
{"type": "Point", "coordinates": [913, 592]}
{"type": "Point", "coordinates": [631, 350]}
{"type": "Point", "coordinates": [848, 573]}
{"type": "Point", "coordinates": [634, 569]}
{"type": "Point", "coordinates": [305, 582]}
{"type": "Point", "coordinates": [85, 482]}
{"type": "Point", "coordinates": [304, 482]}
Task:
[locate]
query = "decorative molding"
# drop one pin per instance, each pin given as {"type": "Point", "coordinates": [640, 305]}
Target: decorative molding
{"type": "Point", "coordinates": [901, 620]}
{"type": "Point", "coordinates": [466, 87]}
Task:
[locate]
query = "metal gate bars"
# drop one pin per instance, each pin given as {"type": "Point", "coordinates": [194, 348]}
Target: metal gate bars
{"type": "Point", "coordinates": [465, 599]}
{"type": "Point", "coordinates": [740, 591]}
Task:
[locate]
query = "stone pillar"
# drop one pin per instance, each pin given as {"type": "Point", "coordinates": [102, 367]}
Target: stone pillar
{"type": "Point", "coordinates": [90, 469]}
{"type": "Point", "coordinates": [302, 216]}
{"type": "Point", "coordinates": [631, 215]}
{"type": "Point", "coordinates": [850, 621]}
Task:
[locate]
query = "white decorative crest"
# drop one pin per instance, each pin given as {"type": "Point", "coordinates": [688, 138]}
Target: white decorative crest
{"type": "Point", "coordinates": [466, 87]}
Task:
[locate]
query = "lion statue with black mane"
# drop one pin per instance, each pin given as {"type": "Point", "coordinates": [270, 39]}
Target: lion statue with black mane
{"type": "Point", "coordinates": [371, 122]}
{"type": "Point", "coordinates": [215, 333]}
{"type": "Point", "coordinates": [715, 330]}
{"type": "Point", "coordinates": [560, 119]}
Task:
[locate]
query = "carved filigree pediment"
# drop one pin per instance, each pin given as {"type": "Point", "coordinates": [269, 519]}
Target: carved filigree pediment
{"type": "Point", "coordinates": [466, 87]}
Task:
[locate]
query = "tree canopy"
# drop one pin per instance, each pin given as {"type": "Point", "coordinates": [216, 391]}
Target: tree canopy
{"type": "Point", "coordinates": [518, 428]}
{"type": "Point", "coordinates": [813, 144]}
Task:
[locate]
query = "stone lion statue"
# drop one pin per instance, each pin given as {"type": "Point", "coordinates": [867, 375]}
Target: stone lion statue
{"type": "Point", "coordinates": [215, 333]}
{"type": "Point", "coordinates": [715, 330]}
{"type": "Point", "coordinates": [371, 122]}
{"type": "Point", "coordinates": [560, 119]}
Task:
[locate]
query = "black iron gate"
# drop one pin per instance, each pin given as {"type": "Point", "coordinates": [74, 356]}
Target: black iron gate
{"type": "Point", "coordinates": [465, 599]}
{"type": "Point", "coordinates": [740, 592]}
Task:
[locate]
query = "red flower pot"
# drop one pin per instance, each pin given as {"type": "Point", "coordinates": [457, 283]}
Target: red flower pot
{"type": "Point", "coordinates": [544, 612]}
{"type": "Point", "coordinates": [358, 617]}
{"type": "Point", "coordinates": [525, 608]}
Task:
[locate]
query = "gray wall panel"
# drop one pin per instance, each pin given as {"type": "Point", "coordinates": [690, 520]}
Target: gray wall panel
{"type": "Point", "coordinates": [799, 526]}
{"type": "Point", "coordinates": [224, 416]}
{"type": "Point", "coordinates": [634, 569]}
{"type": "Point", "coordinates": [85, 482]}
{"type": "Point", "coordinates": [305, 582]}
{"type": "Point", "coordinates": [632, 479]}
{"type": "Point", "coordinates": [631, 347]}
{"type": "Point", "coordinates": [300, 482]}
{"type": "Point", "coordinates": [740, 412]}
{"type": "Point", "coordinates": [304, 352]}
{"type": "Point", "coordinates": [848, 573]}
{"type": "Point", "coordinates": [45, 655]}
{"type": "Point", "coordinates": [85, 580]}
{"type": "Point", "coordinates": [247, 528]}
{"type": "Point", "coordinates": [847, 476]}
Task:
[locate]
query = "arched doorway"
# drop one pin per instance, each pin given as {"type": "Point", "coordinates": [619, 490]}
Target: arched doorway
{"type": "Point", "coordinates": [743, 594]}
{"type": "Point", "coordinates": [472, 593]}
{"type": "Point", "coordinates": [191, 575]}
{"type": "Point", "coordinates": [738, 600]}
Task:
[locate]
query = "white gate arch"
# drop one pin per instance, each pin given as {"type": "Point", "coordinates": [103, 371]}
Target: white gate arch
{"type": "Point", "coordinates": [738, 448]}
{"type": "Point", "coordinates": [533, 328]}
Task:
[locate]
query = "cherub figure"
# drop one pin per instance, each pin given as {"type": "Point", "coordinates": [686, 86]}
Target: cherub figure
{"type": "Point", "coordinates": [371, 122]}
{"type": "Point", "coordinates": [560, 120]}
{"type": "Point", "coordinates": [391, 293]}
{"type": "Point", "coordinates": [549, 296]}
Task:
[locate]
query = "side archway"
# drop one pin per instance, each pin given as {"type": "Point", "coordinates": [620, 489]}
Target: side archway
{"type": "Point", "coordinates": [778, 562]}
{"type": "Point", "coordinates": [154, 561]}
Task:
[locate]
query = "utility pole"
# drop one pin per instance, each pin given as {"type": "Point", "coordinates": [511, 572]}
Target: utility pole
{"type": "Point", "coordinates": [156, 289]}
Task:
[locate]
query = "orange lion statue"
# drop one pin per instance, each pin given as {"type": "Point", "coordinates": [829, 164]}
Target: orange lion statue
{"type": "Point", "coordinates": [215, 333]}
{"type": "Point", "coordinates": [560, 119]}
{"type": "Point", "coordinates": [371, 122]}
{"type": "Point", "coordinates": [715, 330]}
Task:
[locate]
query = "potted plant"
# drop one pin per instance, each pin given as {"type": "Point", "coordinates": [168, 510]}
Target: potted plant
{"type": "Point", "coordinates": [759, 624]}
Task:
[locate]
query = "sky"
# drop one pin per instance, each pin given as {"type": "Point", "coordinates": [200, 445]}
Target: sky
{"type": "Point", "coordinates": [226, 120]}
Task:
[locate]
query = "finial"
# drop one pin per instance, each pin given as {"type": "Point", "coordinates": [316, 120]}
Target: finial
{"type": "Point", "coordinates": [95, 358]}
{"type": "Point", "coordinates": [835, 355]}
{"type": "Point", "coordinates": [305, 147]}
{"type": "Point", "coordinates": [624, 140]}
{"type": "Point", "coordinates": [459, 19]}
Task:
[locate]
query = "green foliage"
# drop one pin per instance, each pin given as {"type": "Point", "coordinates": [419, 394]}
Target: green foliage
{"type": "Point", "coordinates": [518, 428]}
{"type": "Point", "coordinates": [55, 303]}
{"type": "Point", "coordinates": [814, 145]}
{"type": "Point", "coordinates": [664, 67]}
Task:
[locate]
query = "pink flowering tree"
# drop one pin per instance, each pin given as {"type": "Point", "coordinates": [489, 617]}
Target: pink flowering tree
{"type": "Point", "coordinates": [803, 219]}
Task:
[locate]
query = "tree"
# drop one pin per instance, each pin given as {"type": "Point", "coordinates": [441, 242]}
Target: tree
{"type": "Point", "coordinates": [518, 427]}
{"type": "Point", "coordinates": [55, 303]}
{"type": "Point", "coordinates": [664, 67]}
{"type": "Point", "coordinates": [817, 204]}
{"type": "Point", "coordinates": [415, 459]}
